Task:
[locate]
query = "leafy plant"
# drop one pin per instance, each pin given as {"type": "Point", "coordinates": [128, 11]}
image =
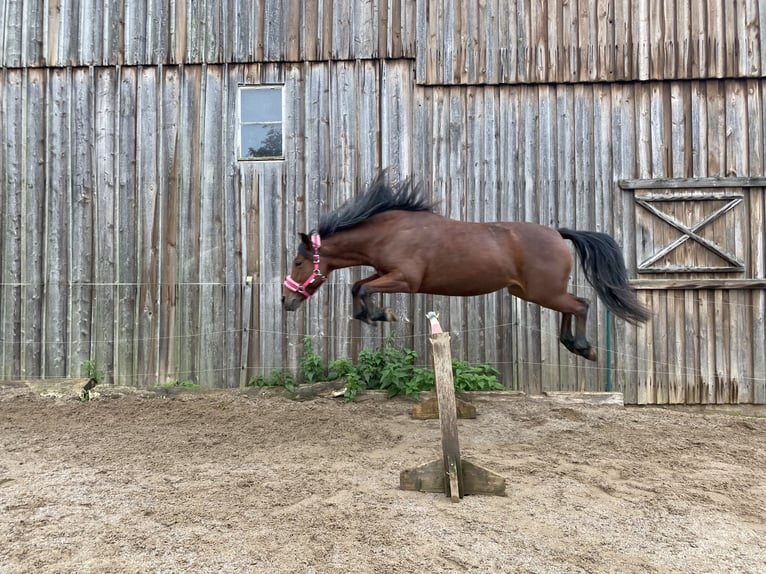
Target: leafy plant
{"type": "Point", "coordinates": [389, 367]}
{"type": "Point", "coordinates": [90, 367]}
{"type": "Point", "coordinates": [311, 363]}
{"type": "Point", "coordinates": [277, 378]}
{"type": "Point", "coordinates": [468, 377]}
{"type": "Point", "coordinates": [186, 383]}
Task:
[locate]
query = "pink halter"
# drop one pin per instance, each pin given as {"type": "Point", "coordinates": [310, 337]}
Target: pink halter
{"type": "Point", "coordinates": [294, 286]}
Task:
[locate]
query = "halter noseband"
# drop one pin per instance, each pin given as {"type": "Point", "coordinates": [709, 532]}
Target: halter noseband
{"type": "Point", "coordinates": [317, 275]}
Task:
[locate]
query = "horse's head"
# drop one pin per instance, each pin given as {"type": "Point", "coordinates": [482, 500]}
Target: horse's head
{"type": "Point", "coordinates": [306, 275]}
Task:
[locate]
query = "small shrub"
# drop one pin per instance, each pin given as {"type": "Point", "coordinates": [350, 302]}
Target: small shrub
{"type": "Point", "coordinates": [277, 378]}
{"type": "Point", "coordinates": [468, 377]}
{"type": "Point", "coordinates": [311, 363]}
{"type": "Point", "coordinates": [90, 367]}
{"type": "Point", "coordinates": [186, 383]}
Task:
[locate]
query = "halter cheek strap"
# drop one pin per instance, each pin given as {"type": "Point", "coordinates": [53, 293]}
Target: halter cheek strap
{"type": "Point", "coordinates": [317, 275]}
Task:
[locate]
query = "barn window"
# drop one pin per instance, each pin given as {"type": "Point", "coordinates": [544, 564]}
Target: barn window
{"type": "Point", "coordinates": [260, 123]}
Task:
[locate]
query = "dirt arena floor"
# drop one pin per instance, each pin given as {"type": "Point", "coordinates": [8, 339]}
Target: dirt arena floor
{"type": "Point", "coordinates": [244, 482]}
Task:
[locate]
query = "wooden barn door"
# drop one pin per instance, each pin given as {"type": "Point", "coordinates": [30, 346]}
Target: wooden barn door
{"type": "Point", "coordinates": [699, 264]}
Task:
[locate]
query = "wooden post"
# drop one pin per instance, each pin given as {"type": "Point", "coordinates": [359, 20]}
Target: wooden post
{"type": "Point", "coordinates": [445, 392]}
{"type": "Point", "coordinates": [447, 475]}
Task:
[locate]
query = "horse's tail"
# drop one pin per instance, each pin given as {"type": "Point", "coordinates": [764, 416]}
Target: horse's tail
{"type": "Point", "coordinates": [604, 267]}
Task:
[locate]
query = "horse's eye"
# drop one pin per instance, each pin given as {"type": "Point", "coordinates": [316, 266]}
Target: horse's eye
{"type": "Point", "coordinates": [298, 263]}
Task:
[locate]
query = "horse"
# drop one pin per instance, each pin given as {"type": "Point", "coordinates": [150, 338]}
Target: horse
{"type": "Point", "coordinates": [395, 230]}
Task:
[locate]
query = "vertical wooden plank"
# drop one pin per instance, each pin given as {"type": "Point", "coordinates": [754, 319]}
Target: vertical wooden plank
{"type": "Point", "coordinates": [11, 33]}
{"type": "Point", "coordinates": [649, 331]}
{"type": "Point", "coordinates": [488, 178]}
{"type": "Point", "coordinates": [299, 105]}
{"type": "Point", "coordinates": [365, 29]}
{"type": "Point", "coordinates": [716, 38]}
{"type": "Point", "coordinates": [566, 152]}
{"type": "Point", "coordinates": [584, 216]}
{"type": "Point", "coordinates": [105, 169]}
{"type": "Point", "coordinates": [474, 129]}
{"type": "Point", "coordinates": [456, 201]}
{"type": "Point", "coordinates": [707, 337]}
{"type": "Point", "coordinates": [82, 218]}
{"type": "Point", "coordinates": [722, 380]}
{"type": "Point", "coordinates": [243, 21]}
{"type": "Point", "coordinates": [643, 44]}
{"type": "Point", "coordinates": [272, 263]}
{"type": "Point", "coordinates": [396, 137]}
{"type": "Point", "coordinates": [32, 35]}
{"type": "Point", "coordinates": [148, 228]}
{"type": "Point", "coordinates": [135, 32]}
{"type": "Point", "coordinates": [569, 46]}
{"type": "Point", "coordinates": [508, 31]}
{"type": "Point", "coordinates": [530, 211]}
{"type": "Point", "coordinates": [168, 167]}
{"type": "Point", "coordinates": [685, 39]}
{"type": "Point", "coordinates": [692, 356]}
{"type": "Point", "coordinates": [89, 33]}
{"type": "Point", "coordinates": [58, 218]}
{"type": "Point", "coordinates": [187, 290]}
{"type": "Point", "coordinates": [547, 183]}
{"type": "Point", "coordinates": [309, 37]}
{"type": "Point", "coordinates": [756, 102]}
{"type": "Point", "coordinates": [274, 28]}
{"type": "Point", "coordinates": [12, 214]}
{"type": "Point", "coordinates": [698, 129]}
{"type": "Point", "coordinates": [716, 128]}
{"type": "Point", "coordinates": [234, 273]}
{"type": "Point", "coordinates": [212, 340]}
{"type": "Point", "coordinates": [586, 28]}
{"type": "Point", "coordinates": [760, 45]}
{"type": "Point", "coordinates": [604, 40]}
{"type": "Point", "coordinates": [33, 240]}
{"type": "Point", "coordinates": [335, 316]}
{"type": "Point", "coordinates": [623, 137]}
{"type": "Point", "coordinates": [251, 258]}
{"type": "Point", "coordinates": [325, 26]}
{"type": "Point", "coordinates": [623, 41]}
{"type": "Point", "coordinates": [603, 184]}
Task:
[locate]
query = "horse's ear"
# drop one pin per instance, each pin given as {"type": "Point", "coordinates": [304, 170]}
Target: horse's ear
{"type": "Point", "coordinates": [306, 240]}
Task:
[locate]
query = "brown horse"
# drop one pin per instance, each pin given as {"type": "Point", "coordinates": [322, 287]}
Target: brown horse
{"type": "Point", "coordinates": [414, 250]}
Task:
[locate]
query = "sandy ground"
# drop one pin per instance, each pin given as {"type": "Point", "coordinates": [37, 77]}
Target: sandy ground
{"type": "Point", "coordinates": [233, 482]}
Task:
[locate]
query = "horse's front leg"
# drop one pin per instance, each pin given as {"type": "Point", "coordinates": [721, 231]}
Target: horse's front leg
{"type": "Point", "coordinates": [361, 304]}
{"type": "Point", "coordinates": [362, 292]}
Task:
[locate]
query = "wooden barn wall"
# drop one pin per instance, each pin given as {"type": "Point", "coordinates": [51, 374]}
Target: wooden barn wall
{"type": "Point", "coordinates": [524, 41]}
{"type": "Point", "coordinates": [555, 154]}
{"type": "Point", "coordinates": [130, 227]}
{"type": "Point", "coordinates": [77, 33]}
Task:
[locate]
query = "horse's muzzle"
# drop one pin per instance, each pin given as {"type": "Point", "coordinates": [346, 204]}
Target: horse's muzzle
{"type": "Point", "coordinates": [292, 301]}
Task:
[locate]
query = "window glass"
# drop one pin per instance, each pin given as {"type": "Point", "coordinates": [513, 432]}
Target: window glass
{"type": "Point", "coordinates": [260, 116]}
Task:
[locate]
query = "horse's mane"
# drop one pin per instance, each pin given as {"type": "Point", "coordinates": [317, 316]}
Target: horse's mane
{"type": "Point", "coordinates": [379, 197]}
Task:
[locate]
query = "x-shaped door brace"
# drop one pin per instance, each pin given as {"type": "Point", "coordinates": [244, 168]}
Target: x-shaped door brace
{"type": "Point", "coordinates": [690, 232]}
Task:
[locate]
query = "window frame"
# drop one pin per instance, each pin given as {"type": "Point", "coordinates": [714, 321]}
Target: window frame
{"type": "Point", "coordinates": [241, 89]}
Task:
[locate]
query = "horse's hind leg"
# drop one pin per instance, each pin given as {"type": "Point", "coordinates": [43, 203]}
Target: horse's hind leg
{"type": "Point", "coordinates": [566, 337]}
{"type": "Point", "coordinates": [577, 308]}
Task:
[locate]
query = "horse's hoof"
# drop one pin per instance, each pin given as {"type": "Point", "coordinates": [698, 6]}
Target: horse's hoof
{"type": "Point", "coordinates": [388, 315]}
{"type": "Point", "coordinates": [591, 355]}
{"type": "Point", "coordinates": [364, 318]}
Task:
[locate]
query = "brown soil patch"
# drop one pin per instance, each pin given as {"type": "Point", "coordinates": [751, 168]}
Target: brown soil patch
{"type": "Point", "coordinates": [233, 482]}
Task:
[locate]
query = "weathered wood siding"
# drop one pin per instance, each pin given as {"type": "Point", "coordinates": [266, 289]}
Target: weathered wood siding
{"type": "Point", "coordinates": [37, 33]}
{"type": "Point", "coordinates": [130, 228]}
{"type": "Point", "coordinates": [523, 41]}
